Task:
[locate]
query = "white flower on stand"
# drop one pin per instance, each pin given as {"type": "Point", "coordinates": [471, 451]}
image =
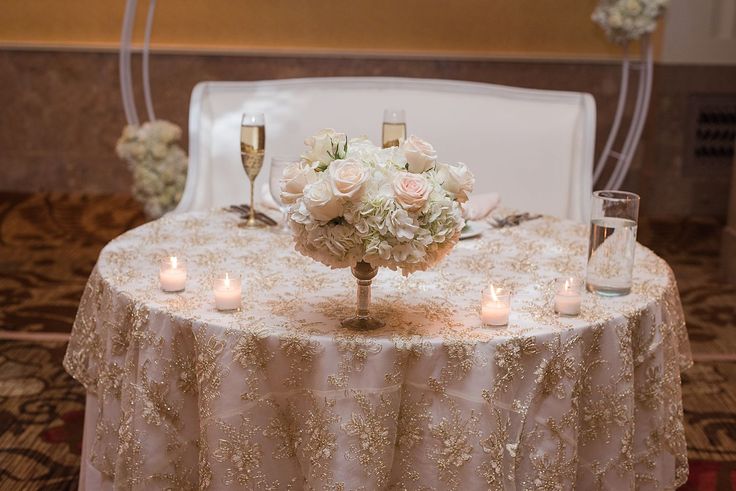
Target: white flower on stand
{"type": "Point", "coordinates": [157, 162]}
{"type": "Point", "coordinates": [351, 201]}
{"type": "Point", "coordinates": [628, 20]}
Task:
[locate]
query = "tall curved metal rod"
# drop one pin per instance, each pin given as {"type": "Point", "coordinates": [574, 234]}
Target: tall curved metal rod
{"type": "Point", "coordinates": [126, 80]}
{"type": "Point", "coordinates": [623, 92]}
{"type": "Point", "coordinates": [647, 76]}
{"type": "Point", "coordinates": [146, 50]}
{"type": "Point", "coordinates": [621, 157]}
{"type": "Point", "coordinates": [638, 119]}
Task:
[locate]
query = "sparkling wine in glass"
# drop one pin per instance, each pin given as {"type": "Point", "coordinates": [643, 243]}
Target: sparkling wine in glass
{"type": "Point", "coordinates": [252, 149]}
{"type": "Point", "coordinates": [394, 127]}
{"type": "Point", "coordinates": [278, 164]}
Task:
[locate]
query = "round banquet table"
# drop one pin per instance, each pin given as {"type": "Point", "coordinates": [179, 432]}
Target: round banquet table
{"type": "Point", "coordinates": [278, 396]}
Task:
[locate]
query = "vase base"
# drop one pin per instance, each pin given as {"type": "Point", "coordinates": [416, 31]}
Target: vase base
{"type": "Point", "coordinates": [361, 323]}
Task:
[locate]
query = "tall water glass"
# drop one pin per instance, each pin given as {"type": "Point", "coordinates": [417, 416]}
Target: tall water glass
{"type": "Point", "coordinates": [278, 164]}
{"type": "Point", "coordinates": [613, 221]}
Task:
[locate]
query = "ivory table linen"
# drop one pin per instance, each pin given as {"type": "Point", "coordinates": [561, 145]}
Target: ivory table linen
{"type": "Point", "coordinates": [279, 396]}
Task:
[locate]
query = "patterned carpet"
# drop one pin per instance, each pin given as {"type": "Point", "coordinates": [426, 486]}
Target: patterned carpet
{"type": "Point", "coordinates": [709, 387]}
{"type": "Point", "coordinates": [48, 246]}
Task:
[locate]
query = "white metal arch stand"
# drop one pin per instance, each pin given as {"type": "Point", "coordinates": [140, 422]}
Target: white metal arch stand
{"type": "Point", "coordinates": [622, 157]}
{"type": "Point", "coordinates": [126, 78]}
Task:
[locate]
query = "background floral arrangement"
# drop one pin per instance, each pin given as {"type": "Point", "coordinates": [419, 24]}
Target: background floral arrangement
{"type": "Point", "coordinates": [157, 162]}
{"type": "Point", "coordinates": [351, 201]}
{"type": "Point", "coordinates": [628, 20]}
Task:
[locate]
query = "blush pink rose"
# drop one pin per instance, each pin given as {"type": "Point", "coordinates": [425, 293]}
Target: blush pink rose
{"type": "Point", "coordinates": [347, 178]}
{"type": "Point", "coordinates": [411, 191]}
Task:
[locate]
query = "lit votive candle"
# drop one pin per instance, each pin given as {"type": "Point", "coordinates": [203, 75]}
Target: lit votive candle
{"type": "Point", "coordinates": [227, 292]}
{"type": "Point", "coordinates": [495, 307]}
{"type": "Point", "coordinates": [173, 274]}
{"type": "Point", "coordinates": [569, 296]}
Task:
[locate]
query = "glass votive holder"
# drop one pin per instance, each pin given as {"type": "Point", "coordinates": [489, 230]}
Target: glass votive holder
{"type": "Point", "coordinates": [172, 274]}
{"type": "Point", "coordinates": [228, 292]}
{"type": "Point", "coordinates": [495, 306]}
{"type": "Point", "coordinates": [568, 296]}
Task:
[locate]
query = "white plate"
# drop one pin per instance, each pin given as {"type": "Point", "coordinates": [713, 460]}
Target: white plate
{"type": "Point", "coordinates": [473, 229]}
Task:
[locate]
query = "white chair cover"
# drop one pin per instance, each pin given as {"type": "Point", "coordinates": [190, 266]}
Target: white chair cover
{"type": "Point", "coordinates": [534, 147]}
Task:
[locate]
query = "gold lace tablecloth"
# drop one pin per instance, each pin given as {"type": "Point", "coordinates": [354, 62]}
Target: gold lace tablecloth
{"type": "Point", "coordinates": [278, 396]}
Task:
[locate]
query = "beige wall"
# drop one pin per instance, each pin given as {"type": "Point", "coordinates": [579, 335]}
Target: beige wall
{"type": "Point", "coordinates": [557, 29]}
{"type": "Point", "coordinates": [702, 32]}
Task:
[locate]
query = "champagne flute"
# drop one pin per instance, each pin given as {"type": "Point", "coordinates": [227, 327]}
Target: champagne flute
{"type": "Point", "coordinates": [252, 149]}
{"type": "Point", "coordinates": [394, 127]}
{"type": "Point", "coordinates": [278, 164]}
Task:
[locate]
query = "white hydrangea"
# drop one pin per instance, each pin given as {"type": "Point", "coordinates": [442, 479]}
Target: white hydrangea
{"type": "Point", "coordinates": [628, 20]}
{"type": "Point", "coordinates": [157, 162]}
{"type": "Point", "coordinates": [402, 216]}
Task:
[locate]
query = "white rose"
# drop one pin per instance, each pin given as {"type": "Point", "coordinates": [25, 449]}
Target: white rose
{"type": "Point", "coordinates": [633, 7]}
{"type": "Point", "coordinates": [295, 178]}
{"type": "Point", "coordinates": [347, 179]}
{"type": "Point", "coordinates": [325, 146]}
{"type": "Point", "coordinates": [615, 20]}
{"type": "Point", "coordinates": [458, 180]}
{"type": "Point", "coordinates": [321, 203]}
{"type": "Point", "coordinates": [420, 155]}
{"type": "Point", "coordinates": [159, 150]}
{"type": "Point", "coordinates": [411, 191]}
{"type": "Point", "coordinates": [164, 131]}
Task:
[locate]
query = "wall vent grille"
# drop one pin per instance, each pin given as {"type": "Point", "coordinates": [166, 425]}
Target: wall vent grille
{"type": "Point", "coordinates": [711, 136]}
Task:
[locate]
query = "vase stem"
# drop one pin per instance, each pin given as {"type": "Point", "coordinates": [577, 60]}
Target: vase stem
{"type": "Point", "coordinates": [362, 321]}
{"type": "Point", "coordinates": [364, 298]}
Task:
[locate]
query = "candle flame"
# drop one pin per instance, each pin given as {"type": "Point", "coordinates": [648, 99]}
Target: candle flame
{"type": "Point", "coordinates": [227, 281]}
{"type": "Point", "coordinates": [493, 293]}
{"type": "Point", "coordinates": [567, 285]}
{"type": "Point", "coordinates": [173, 262]}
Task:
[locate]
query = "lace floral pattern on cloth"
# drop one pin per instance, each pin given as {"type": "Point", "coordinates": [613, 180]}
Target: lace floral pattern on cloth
{"type": "Point", "coordinates": [278, 396]}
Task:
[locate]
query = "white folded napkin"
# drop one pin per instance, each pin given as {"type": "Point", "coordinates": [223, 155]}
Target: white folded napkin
{"type": "Point", "coordinates": [479, 206]}
{"type": "Point", "coordinates": [267, 200]}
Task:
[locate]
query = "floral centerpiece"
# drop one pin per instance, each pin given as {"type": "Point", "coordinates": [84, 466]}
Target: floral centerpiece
{"type": "Point", "coordinates": [353, 204]}
{"type": "Point", "coordinates": [157, 162]}
{"type": "Point", "coordinates": [628, 20]}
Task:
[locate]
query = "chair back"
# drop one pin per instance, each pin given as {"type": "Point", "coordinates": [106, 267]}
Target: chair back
{"type": "Point", "coordinates": [534, 147]}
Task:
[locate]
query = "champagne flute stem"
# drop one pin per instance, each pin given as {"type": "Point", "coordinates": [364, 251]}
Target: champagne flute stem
{"type": "Point", "coordinates": [252, 215]}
